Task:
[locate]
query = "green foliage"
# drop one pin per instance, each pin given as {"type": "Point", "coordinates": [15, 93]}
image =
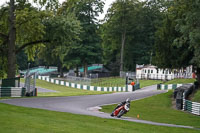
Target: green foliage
{"type": "Point", "coordinates": [178, 38]}
{"type": "Point", "coordinates": [3, 40]}
{"type": "Point", "coordinates": [29, 21]}
{"type": "Point", "coordinates": [187, 25]}
{"type": "Point", "coordinates": [26, 31]}
{"type": "Point", "coordinates": [139, 20]}
{"type": "Point", "coordinates": [63, 31]}
{"type": "Point", "coordinates": [86, 12]}
{"type": "Point", "coordinates": [181, 19]}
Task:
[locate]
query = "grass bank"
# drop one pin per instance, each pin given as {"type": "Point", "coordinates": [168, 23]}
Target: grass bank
{"type": "Point", "coordinates": [159, 109]}
{"type": "Point", "coordinates": [180, 81]}
{"type": "Point", "coordinates": [68, 91]}
{"type": "Point", "coordinates": [196, 97]}
{"type": "Point", "coordinates": [27, 120]}
{"type": "Point", "coordinates": [62, 90]}
{"type": "Point", "coordinates": [144, 83]}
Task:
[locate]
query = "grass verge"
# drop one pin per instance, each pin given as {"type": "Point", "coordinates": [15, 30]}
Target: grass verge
{"type": "Point", "coordinates": [196, 97]}
{"type": "Point", "coordinates": [159, 109]}
{"type": "Point", "coordinates": [62, 90]}
{"type": "Point", "coordinates": [68, 91]}
{"type": "Point", "coordinates": [144, 83]}
{"type": "Point", "coordinates": [27, 120]}
{"type": "Point", "coordinates": [180, 81]}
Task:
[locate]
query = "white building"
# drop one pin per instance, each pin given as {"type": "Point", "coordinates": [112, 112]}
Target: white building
{"type": "Point", "coordinates": [152, 72]}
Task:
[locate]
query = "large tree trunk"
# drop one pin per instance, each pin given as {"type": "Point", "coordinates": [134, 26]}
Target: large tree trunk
{"type": "Point", "coordinates": [85, 69]}
{"type": "Point", "coordinates": [77, 71]}
{"type": "Point", "coordinates": [60, 70]}
{"type": "Point", "coordinates": [198, 75]}
{"type": "Point", "coordinates": [11, 45]}
{"type": "Point", "coordinates": [122, 51]}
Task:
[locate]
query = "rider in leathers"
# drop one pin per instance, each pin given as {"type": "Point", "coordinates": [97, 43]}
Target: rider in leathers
{"type": "Point", "coordinates": [121, 104]}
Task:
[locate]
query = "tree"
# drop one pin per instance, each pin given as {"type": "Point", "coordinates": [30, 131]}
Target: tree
{"type": "Point", "coordinates": [138, 28]}
{"type": "Point", "coordinates": [87, 11]}
{"type": "Point", "coordinates": [181, 34]}
{"type": "Point", "coordinates": [16, 35]}
{"type": "Point", "coordinates": [63, 31]}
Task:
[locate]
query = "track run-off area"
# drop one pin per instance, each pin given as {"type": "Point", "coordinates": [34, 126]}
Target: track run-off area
{"type": "Point", "coordinates": [90, 104]}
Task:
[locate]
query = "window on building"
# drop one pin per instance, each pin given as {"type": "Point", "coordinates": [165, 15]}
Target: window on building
{"type": "Point", "coordinates": [145, 71]}
{"type": "Point", "coordinates": [148, 71]}
{"type": "Point", "coordinates": [151, 71]}
{"type": "Point", "coordinates": [163, 72]}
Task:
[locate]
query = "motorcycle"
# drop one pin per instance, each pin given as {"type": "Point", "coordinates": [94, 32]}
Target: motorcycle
{"type": "Point", "coordinates": [121, 110]}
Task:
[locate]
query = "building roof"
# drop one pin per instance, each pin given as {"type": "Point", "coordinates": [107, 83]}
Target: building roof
{"type": "Point", "coordinates": [139, 67]}
{"type": "Point", "coordinates": [90, 68]}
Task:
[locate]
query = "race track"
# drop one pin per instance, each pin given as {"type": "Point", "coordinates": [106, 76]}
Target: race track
{"type": "Point", "coordinates": [89, 104]}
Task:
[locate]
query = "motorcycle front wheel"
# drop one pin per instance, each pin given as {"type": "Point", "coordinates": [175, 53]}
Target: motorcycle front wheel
{"type": "Point", "coordinates": [121, 113]}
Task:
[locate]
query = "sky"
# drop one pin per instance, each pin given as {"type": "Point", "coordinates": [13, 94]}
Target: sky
{"type": "Point", "coordinates": [106, 6]}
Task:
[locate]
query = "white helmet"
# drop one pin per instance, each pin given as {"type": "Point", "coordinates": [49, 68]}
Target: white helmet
{"type": "Point", "coordinates": [128, 100]}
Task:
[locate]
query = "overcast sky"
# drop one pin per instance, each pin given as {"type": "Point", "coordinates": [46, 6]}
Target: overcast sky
{"type": "Point", "coordinates": [106, 6]}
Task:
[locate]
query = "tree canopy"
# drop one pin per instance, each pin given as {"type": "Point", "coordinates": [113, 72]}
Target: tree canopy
{"type": "Point", "coordinates": [130, 26]}
{"type": "Point", "coordinates": [69, 35]}
{"type": "Point", "coordinates": [177, 43]}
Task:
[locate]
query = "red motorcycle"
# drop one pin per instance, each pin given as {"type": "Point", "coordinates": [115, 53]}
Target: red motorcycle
{"type": "Point", "coordinates": [121, 110]}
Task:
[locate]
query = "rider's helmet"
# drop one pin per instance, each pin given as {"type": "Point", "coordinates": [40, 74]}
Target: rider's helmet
{"type": "Point", "coordinates": [128, 100]}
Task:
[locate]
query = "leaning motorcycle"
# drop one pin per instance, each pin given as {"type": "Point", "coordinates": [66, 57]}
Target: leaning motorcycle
{"type": "Point", "coordinates": [118, 112]}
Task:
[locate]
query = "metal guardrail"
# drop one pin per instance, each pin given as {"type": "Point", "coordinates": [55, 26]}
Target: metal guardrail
{"type": "Point", "coordinates": [12, 91]}
{"type": "Point", "coordinates": [181, 95]}
{"type": "Point", "coordinates": [192, 107]}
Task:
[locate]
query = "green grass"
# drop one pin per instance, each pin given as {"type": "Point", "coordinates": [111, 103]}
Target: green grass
{"type": "Point", "coordinates": [109, 82]}
{"type": "Point", "coordinates": [180, 81]}
{"type": "Point", "coordinates": [159, 109]}
{"type": "Point", "coordinates": [117, 81]}
{"type": "Point", "coordinates": [28, 120]}
{"type": "Point", "coordinates": [196, 97]}
{"type": "Point", "coordinates": [62, 90]}
{"type": "Point", "coordinates": [144, 83]}
{"type": "Point", "coordinates": [68, 91]}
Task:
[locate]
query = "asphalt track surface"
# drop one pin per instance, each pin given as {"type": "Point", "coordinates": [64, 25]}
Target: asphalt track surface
{"type": "Point", "coordinates": [90, 104]}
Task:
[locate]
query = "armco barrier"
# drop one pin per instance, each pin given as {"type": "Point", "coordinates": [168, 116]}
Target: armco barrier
{"type": "Point", "coordinates": [90, 88]}
{"type": "Point", "coordinates": [192, 107]}
{"type": "Point", "coordinates": [168, 87]}
{"type": "Point", "coordinates": [12, 91]}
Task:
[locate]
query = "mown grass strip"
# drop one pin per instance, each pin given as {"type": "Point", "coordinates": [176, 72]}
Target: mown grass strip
{"type": "Point", "coordinates": [159, 109]}
{"type": "Point", "coordinates": [144, 83]}
{"type": "Point", "coordinates": [28, 120]}
{"type": "Point", "coordinates": [180, 81]}
{"type": "Point", "coordinates": [196, 97]}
